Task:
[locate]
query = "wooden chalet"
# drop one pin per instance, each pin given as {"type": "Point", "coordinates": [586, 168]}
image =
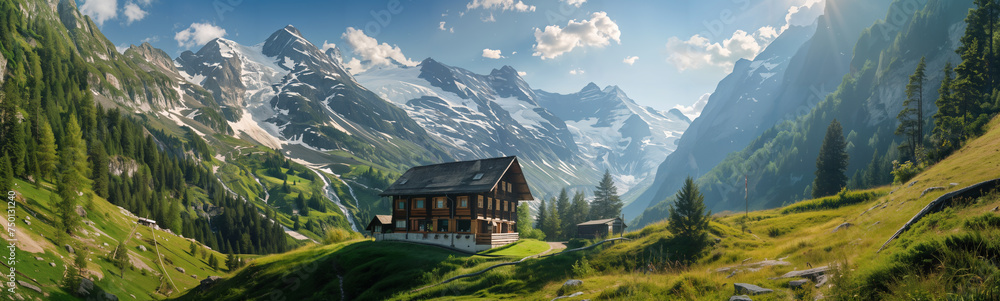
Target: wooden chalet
{"type": "Point", "coordinates": [600, 228]}
{"type": "Point", "coordinates": [470, 205]}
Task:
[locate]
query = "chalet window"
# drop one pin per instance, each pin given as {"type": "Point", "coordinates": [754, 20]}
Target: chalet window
{"type": "Point", "coordinates": [442, 225]}
{"type": "Point", "coordinates": [422, 225]}
{"type": "Point", "coordinates": [480, 201]}
{"type": "Point", "coordinates": [401, 205]}
{"type": "Point", "coordinates": [418, 204]}
{"type": "Point", "coordinates": [463, 225]}
{"type": "Point", "coordinates": [510, 187]}
{"type": "Point", "coordinates": [439, 203]}
{"type": "Point", "coordinates": [463, 202]}
{"type": "Point", "coordinates": [489, 203]}
{"type": "Point", "coordinates": [400, 224]}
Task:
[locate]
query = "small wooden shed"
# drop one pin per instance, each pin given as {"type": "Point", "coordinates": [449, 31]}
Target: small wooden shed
{"type": "Point", "coordinates": [380, 224]}
{"type": "Point", "coordinates": [600, 227]}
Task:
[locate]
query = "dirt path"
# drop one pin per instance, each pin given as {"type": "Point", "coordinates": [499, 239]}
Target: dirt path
{"type": "Point", "coordinates": [554, 246]}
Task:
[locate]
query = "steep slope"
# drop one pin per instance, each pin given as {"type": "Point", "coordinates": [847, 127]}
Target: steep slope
{"type": "Point", "coordinates": [614, 132]}
{"type": "Point", "coordinates": [786, 80]}
{"type": "Point", "coordinates": [779, 162]}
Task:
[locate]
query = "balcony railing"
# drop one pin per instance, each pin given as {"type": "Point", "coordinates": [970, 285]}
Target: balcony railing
{"type": "Point", "coordinates": [496, 238]}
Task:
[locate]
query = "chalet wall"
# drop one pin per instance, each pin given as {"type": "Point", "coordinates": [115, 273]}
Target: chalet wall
{"type": "Point", "coordinates": [465, 242]}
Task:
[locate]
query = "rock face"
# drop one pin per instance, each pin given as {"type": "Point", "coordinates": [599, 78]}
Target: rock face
{"type": "Point", "coordinates": [750, 289]}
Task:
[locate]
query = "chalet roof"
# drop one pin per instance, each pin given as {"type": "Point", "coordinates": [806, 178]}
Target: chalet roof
{"type": "Point", "coordinates": [381, 219]}
{"type": "Point", "coordinates": [475, 176]}
{"type": "Point", "coordinates": [600, 221]}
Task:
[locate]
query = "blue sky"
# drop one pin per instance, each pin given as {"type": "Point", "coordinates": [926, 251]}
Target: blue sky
{"type": "Point", "coordinates": [662, 53]}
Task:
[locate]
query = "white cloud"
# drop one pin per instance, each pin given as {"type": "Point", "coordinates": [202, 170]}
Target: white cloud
{"type": "Point", "coordinates": [513, 53]}
{"type": "Point", "coordinates": [489, 19]}
{"type": "Point", "coordinates": [492, 53]}
{"type": "Point", "coordinates": [698, 52]}
{"type": "Point", "coordinates": [576, 3]}
{"type": "Point", "coordinates": [327, 46]}
{"type": "Point", "coordinates": [500, 4]}
{"type": "Point", "coordinates": [443, 28]}
{"type": "Point", "coordinates": [145, 2]}
{"type": "Point", "coordinates": [198, 34]}
{"type": "Point", "coordinates": [577, 71]}
{"type": "Point", "coordinates": [522, 73]}
{"type": "Point", "coordinates": [596, 32]}
{"type": "Point", "coordinates": [630, 60]}
{"type": "Point", "coordinates": [151, 40]}
{"type": "Point", "coordinates": [121, 48]}
{"type": "Point", "coordinates": [804, 14]}
{"type": "Point", "coordinates": [371, 53]}
{"type": "Point", "coordinates": [133, 13]}
{"type": "Point", "coordinates": [767, 33]}
{"type": "Point", "coordinates": [694, 110]}
{"type": "Point", "coordinates": [100, 10]}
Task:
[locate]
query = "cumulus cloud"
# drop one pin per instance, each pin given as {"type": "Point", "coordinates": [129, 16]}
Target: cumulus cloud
{"type": "Point", "coordinates": [489, 19]}
{"type": "Point", "coordinates": [522, 73]}
{"type": "Point", "coordinates": [371, 53]}
{"type": "Point", "coordinates": [767, 33]}
{"type": "Point", "coordinates": [443, 28]}
{"type": "Point", "coordinates": [554, 41]}
{"type": "Point", "coordinates": [121, 48]}
{"type": "Point", "coordinates": [133, 13]}
{"type": "Point", "coordinates": [804, 14]}
{"type": "Point", "coordinates": [198, 34]}
{"type": "Point", "coordinates": [577, 71]}
{"type": "Point", "coordinates": [151, 40]}
{"type": "Point", "coordinates": [492, 53]}
{"type": "Point", "coordinates": [698, 52]}
{"type": "Point", "coordinates": [327, 45]}
{"type": "Point", "coordinates": [576, 3]}
{"type": "Point", "coordinates": [100, 10]}
{"type": "Point", "coordinates": [501, 5]}
{"type": "Point", "coordinates": [694, 110]}
{"type": "Point", "coordinates": [630, 60]}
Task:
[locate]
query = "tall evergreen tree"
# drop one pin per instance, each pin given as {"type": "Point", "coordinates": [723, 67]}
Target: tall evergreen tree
{"type": "Point", "coordinates": [6, 174]}
{"type": "Point", "coordinates": [606, 203]}
{"type": "Point", "coordinates": [911, 118]}
{"type": "Point", "coordinates": [831, 162]}
{"type": "Point", "coordinates": [579, 211]}
{"type": "Point", "coordinates": [99, 174]}
{"type": "Point", "coordinates": [552, 225]}
{"type": "Point", "coordinates": [947, 127]}
{"type": "Point", "coordinates": [968, 87]}
{"type": "Point", "coordinates": [689, 219]}
{"type": "Point", "coordinates": [562, 206]}
{"type": "Point", "coordinates": [73, 182]}
{"type": "Point", "coordinates": [542, 215]}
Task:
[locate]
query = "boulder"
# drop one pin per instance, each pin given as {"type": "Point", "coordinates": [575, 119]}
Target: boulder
{"type": "Point", "coordinates": [180, 269]}
{"type": "Point", "coordinates": [194, 276]}
{"type": "Point", "coordinates": [208, 282]}
{"type": "Point", "coordinates": [750, 289]}
{"type": "Point", "coordinates": [576, 294]}
{"type": "Point", "coordinates": [740, 298]}
{"type": "Point", "coordinates": [29, 286]}
{"type": "Point", "coordinates": [39, 258]}
{"type": "Point", "coordinates": [53, 264]}
{"type": "Point", "coordinates": [80, 211]}
{"type": "Point", "coordinates": [142, 248]}
{"type": "Point", "coordinates": [27, 222]}
{"type": "Point", "coordinates": [929, 189]}
{"type": "Point", "coordinates": [997, 208]}
{"type": "Point", "coordinates": [110, 297]}
{"type": "Point", "coordinates": [86, 286]}
{"type": "Point", "coordinates": [842, 226]}
{"type": "Point", "coordinates": [573, 282]}
{"type": "Point", "coordinates": [820, 280]}
{"type": "Point", "coordinates": [797, 283]}
{"type": "Point", "coordinates": [69, 249]}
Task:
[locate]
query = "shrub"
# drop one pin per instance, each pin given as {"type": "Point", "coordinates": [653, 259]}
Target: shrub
{"type": "Point", "coordinates": [983, 222]}
{"type": "Point", "coordinates": [582, 268]}
{"type": "Point", "coordinates": [336, 235]}
{"type": "Point", "coordinates": [901, 173]}
{"type": "Point", "coordinates": [844, 198]}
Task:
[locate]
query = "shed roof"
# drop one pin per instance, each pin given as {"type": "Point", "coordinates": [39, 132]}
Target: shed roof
{"type": "Point", "coordinates": [600, 221]}
{"type": "Point", "coordinates": [475, 176]}
{"type": "Point", "coordinates": [381, 220]}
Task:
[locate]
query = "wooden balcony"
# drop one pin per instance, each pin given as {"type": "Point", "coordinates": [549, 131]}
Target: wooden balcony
{"type": "Point", "coordinates": [496, 238]}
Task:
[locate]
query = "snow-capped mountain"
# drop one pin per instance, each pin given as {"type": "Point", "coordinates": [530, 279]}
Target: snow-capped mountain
{"type": "Point", "coordinates": [565, 140]}
{"type": "Point", "coordinates": [612, 131]}
{"type": "Point", "coordinates": [286, 91]}
{"type": "Point", "coordinates": [786, 80]}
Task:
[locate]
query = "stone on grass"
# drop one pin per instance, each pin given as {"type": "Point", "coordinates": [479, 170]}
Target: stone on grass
{"type": "Point", "coordinates": [820, 280]}
{"type": "Point", "coordinates": [86, 286]}
{"type": "Point", "coordinates": [142, 248]}
{"type": "Point", "coordinates": [180, 269]}
{"type": "Point", "coordinates": [29, 286]}
{"type": "Point", "coordinates": [797, 283]}
{"type": "Point", "coordinates": [573, 282]}
{"type": "Point", "coordinates": [842, 226]}
{"type": "Point", "coordinates": [53, 264]}
{"type": "Point", "coordinates": [69, 249]}
{"type": "Point", "coordinates": [110, 297]}
{"type": "Point", "coordinates": [740, 298]}
{"type": "Point", "coordinates": [750, 289]}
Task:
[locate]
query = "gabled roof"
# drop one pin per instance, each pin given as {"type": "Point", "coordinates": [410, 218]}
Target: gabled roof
{"type": "Point", "coordinates": [380, 219]}
{"type": "Point", "coordinates": [475, 176]}
{"type": "Point", "coordinates": [600, 222]}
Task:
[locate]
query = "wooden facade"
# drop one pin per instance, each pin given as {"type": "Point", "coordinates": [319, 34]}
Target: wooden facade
{"type": "Point", "coordinates": [477, 198]}
{"type": "Point", "coordinates": [600, 228]}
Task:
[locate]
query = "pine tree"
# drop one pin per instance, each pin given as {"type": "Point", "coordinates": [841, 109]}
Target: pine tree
{"type": "Point", "coordinates": [911, 119]}
{"type": "Point", "coordinates": [831, 162]}
{"type": "Point", "coordinates": [689, 219]}
{"type": "Point", "coordinates": [99, 161]}
{"type": "Point", "coordinates": [213, 262]}
{"type": "Point", "coordinates": [552, 226]}
{"type": "Point", "coordinates": [73, 182]}
{"type": "Point", "coordinates": [542, 215]}
{"type": "Point", "coordinates": [230, 262]}
{"type": "Point", "coordinates": [968, 87]}
{"type": "Point", "coordinates": [6, 174]}
{"type": "Point", "coordinates": [606, 203]}
{"type": "Point", "coordinates": [579, 210]}
{"type": "Point", "coordinates": [193, 248]}
{"type": "Point", "coordinates": [562, 206]}
{"type": "Point", "coordinates": [47, 156]}
{"type": "Point", "coordinates": [947, 127]}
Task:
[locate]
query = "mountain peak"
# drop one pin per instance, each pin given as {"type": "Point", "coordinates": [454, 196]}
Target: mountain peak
{"type": "Point", "coordinates": [292, 30]}
{"type": "Point", "coordinates": [591, 87]}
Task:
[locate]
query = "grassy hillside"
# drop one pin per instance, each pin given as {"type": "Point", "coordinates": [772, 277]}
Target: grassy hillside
{"type": "Point", "coordinates": [950, 253]}
{"type": "Point", "coordinates": [105, 225]}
